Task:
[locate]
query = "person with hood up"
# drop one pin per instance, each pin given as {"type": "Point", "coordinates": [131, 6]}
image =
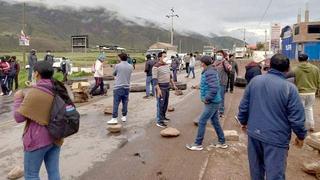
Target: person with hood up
{"type": "Point", "coordinates": [4, 76]}
{"type": "Point", "coordinates": [253, 69]}
{"type": "Point", "coordinates": [224, 68]}
{"type": "Point", "coordinates": [98, 74]}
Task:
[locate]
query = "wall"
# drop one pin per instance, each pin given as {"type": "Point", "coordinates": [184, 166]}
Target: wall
{"type": "Point", "coordinates": [312, 49]}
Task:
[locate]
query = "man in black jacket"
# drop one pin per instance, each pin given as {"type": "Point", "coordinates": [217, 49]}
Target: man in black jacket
{"type": "Point", "coordinates": [148, 70]}
{"type": "Point", "coordinates": [232, 74]}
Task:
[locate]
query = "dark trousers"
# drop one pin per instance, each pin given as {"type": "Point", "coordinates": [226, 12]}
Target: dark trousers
{"type": "Point", "coordinates": [174, 72]}
{"type": "Point", "coordinates": [99, 83]}
{"type": "Point", "coordinates": [65, 77]}
{"type": "Point", "coordinates": [120, 95]}
{"type": "Point", "coordinates": [4, 84]}
{"type": "Point", "coordinates": [266, 161]}
{"type": "Point", "coordinates": [163, 101]}
{"type": "Point", "coordinates": [10, 83]}
{"type": "Point", "coordinates": [187, 67]}
{"type": "Point", "coordinates": [230, 84]}
{"type": "Point", "coordinates": [16, 82]}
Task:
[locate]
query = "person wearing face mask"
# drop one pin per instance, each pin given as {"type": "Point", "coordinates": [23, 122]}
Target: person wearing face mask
{"type": "Point", "coordinates": [224, 68]}
{"type": "Point", "coordinates": [162, 78]}
{"type": "Point", "coordinates": [48, 57]}
{"type": "Point", "coordinates": [33, 107]}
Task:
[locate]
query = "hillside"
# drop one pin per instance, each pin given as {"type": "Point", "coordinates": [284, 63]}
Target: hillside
{"type": "Point", "coordinates": [52, 29]}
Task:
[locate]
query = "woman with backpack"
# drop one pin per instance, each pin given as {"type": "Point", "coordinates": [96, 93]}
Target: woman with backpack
{"type": "Point", "coordinates": [33, 106]}
{"type": "Point", "coordinates": [224, 68]}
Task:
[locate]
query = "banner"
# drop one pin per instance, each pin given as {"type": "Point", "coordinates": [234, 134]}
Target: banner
{"type": "Point", "coordinates": [24, 40]}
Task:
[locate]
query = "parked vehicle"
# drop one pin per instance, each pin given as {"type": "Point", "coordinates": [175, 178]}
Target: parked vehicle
{"type": "Point", "coordinates": [240, 52]}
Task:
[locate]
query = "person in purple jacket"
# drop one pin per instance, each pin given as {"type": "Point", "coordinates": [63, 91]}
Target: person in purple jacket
{"type": "Point", "coordinates": [33, 106]}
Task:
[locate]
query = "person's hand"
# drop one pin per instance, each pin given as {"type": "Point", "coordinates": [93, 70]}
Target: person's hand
{"type": "Point", "coordinates": [175, 87]}
{"type": "Point", "coordinates": [159, 93]}
{"type": "Point", "coordinates": [298, 143]}
{"type": "Point", "coordinates": [19, 95]}
{"type": "Point", "coordinates": [205, 101]}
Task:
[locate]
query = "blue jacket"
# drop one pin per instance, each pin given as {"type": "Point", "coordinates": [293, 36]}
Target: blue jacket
{"type": "Point", "coordinates": [210, 86]}
{"type": "Point", "coordinates": [252, 70]}
{"type": "Point", "coordinates": [271, 108]}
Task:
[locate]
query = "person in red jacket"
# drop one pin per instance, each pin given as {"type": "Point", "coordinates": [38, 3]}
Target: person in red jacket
{"type": "Point", "coordinates": [4, 73]}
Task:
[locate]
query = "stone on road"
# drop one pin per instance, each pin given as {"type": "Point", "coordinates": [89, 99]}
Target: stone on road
{"type": "Point", "coordinates": [170, 132]}
{"type": "Point", "coordinates": [114, 128]}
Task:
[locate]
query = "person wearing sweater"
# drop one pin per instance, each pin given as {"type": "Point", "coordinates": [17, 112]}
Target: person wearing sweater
{"type": "Point", "coordinates": [98, 75]}
{"type": "Point", "coordinates": [121, 88]}
{"type": "Point", "coordinates": [307, 80]}
{"type": "Point", "coordinates": [33, 106]}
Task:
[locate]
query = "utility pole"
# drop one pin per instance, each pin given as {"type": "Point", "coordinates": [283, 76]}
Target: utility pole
{"type": "Point", "coordinates": [23, 28]}
{"type": "Point", "coordinates": [244, 37]}
{"type": "Point", "coordinates": [180, 46]}
{"type": "Point", "coordinates": [265, 43]}
{"type": "Point", "coordinates": [172, 15]}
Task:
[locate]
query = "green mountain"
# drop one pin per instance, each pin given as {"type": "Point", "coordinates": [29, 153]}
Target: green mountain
{"type": "Point", "coordinates": [53, 28]}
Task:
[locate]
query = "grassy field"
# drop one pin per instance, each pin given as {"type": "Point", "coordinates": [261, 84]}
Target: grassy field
{"type": "Point", "coordinates": [23, 76]}
{"type": "Point", "coordinates": [80, 59]}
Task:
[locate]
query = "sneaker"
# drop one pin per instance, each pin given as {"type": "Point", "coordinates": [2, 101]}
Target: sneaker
{"type": "Point", "coordinates": [10, 92]}
{"type": "Point", "coordinates": [145, 97]}
{"type": "Point", "coordinates": [124, 119]}
{"type": "Point", "coordinates": [162, 125]}
{"type": "Point", "coordinates": [113, 121]}
{"type": "Point", "coordinates": [222, 115]}
{"type": "Point", "coordinates": [166, 120]}
{"type": "Point", "coordinates": [219, 145]}
{"type": "Point", "coordinates": [194, 147]}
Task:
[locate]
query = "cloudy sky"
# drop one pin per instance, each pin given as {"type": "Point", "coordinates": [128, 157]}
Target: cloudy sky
{"type": "Point", "coordinates": [222, 17]}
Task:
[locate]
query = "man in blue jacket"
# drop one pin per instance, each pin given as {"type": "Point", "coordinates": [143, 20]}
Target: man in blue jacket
{"type": "Point", "coordinates": [211, 97]}
{"type": "Point", "coordinates": [271, 108]}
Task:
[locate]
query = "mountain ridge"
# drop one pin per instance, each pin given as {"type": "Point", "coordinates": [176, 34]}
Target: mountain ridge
{"type": "Point", "coordinates": [52, 29]}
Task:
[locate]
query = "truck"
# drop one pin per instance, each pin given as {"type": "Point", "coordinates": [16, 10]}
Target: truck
{"type": "Point", "coordinates": [240, 52]}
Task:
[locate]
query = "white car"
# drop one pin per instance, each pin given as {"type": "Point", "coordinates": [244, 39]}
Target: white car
{"type": "Point", "coordinates": [57, 64]}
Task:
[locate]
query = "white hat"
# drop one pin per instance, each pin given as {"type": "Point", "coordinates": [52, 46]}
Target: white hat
{"type": "Point", "coordinates": [258, 58]}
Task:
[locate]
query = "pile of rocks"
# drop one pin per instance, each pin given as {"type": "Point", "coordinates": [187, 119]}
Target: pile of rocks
{"type": "Point", "coordinates": [80, 91]}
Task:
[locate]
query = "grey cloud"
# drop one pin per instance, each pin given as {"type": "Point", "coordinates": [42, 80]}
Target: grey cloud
{"type": "Point", "coordinates": [202, 16]}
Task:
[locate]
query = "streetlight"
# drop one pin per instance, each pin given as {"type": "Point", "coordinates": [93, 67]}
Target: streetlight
{"type": "Point", "coordinates": [172, 15]}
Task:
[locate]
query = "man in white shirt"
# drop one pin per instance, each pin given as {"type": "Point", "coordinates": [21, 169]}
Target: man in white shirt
{"type": "Point", "coordinates": [192, 64]}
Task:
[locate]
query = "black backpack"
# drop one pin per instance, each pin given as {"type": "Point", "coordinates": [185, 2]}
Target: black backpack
{"type": "Point", "coordinates": [65, 119]}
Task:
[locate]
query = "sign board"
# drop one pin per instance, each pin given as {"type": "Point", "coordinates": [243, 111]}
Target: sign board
{"type": "Point", "coordinates": [24, 40]}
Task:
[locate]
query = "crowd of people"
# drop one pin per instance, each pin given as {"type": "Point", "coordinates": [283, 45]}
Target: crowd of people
{"type": "Point", "coordinates": [268, 121]}
{"type": "Point", "coordinates": [9, 74]}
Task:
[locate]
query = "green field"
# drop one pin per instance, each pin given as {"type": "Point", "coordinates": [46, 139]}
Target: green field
{"type": "Point", "coordinates": [79, 59]}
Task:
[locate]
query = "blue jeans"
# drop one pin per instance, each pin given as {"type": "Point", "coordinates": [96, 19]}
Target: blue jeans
{"type": "Point", "coordinates": [223, 92]}
{"type": "Point", "coordinates": [191, 69]}
{"type": "Point", "coordinates": [120, 95]}
{"type": "Point", "coordinates": [158, 111]}
{"type": "Point", "coordinates": [163, 102]}
{"type": "Point", "coordinates": [174, 72]}
{"type": "Point", "coordinates": [266, 160]}
{"type": "Point", "coordinates": [33, 161]}
{"type": "Point", "coordinates": [210, 112]}
{"type": "Point", "coordinates": [149, 82]}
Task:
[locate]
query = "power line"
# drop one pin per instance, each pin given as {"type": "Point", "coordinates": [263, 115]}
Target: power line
{"type": "Point", "coordinates": [265, 13]}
